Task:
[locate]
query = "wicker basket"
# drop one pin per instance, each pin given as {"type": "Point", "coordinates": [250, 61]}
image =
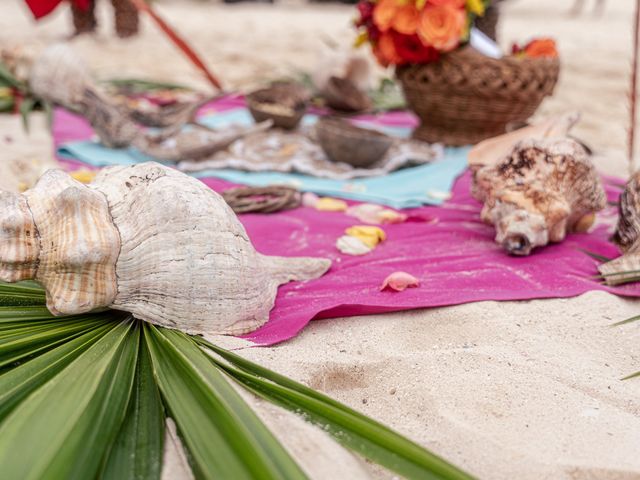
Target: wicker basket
{"type": "Point", "coordinates": [467, 97]}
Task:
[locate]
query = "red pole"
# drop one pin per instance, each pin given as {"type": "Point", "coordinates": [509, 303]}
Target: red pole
{"type": "Point", "coordinates": [142, 6]}
{"type": "Point", "coordinates": [634, 85]}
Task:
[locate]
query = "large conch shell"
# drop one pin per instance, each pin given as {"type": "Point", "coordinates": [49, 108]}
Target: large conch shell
{"type": "Point", "coordinates": [145, 239]}
{"type": "Point", "coordinates": [627, 237]}
{"type": "Point", "coordinates": [542, 190]}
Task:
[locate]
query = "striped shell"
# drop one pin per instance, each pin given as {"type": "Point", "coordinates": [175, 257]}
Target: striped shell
{"type": "Point", "coordinates": [145, 239]}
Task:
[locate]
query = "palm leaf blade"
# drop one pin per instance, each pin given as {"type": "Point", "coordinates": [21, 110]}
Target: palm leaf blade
{"type": "Point", "coordinates": [224, 437]}
{"type": "Point", "coordinates": [63, 429]}
{"type": "Point", "coordinates": [138, 449]}
{"type": "Point", "coordinates": [352, 429]}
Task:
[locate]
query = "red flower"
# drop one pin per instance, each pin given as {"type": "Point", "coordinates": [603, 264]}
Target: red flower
{"type": "Point", "coordinates": [366, 10]}
{"type": "Point", "coordinates": [411, 49]}
{"type": "Point", "coordinates": [42, 8]}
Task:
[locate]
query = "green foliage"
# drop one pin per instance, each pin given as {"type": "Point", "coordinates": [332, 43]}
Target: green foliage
{"type": "Point", "coordinates": [87, 396]}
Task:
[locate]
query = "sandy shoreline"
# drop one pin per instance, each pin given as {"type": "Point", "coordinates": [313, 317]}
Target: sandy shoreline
{"type": "Point", "coordinates": [527, 390]}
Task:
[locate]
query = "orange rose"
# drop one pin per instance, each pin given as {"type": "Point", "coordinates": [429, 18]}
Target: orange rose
{"type": "Point", "coordinates": [392, 14]}
{"type": "Point", "coordinates": [541, 47]}
{"type": "Point", "coordinates": [442, 26]}
{"type": "Point", "coordinates": [386, 52]}
{"type": "Point", "coordinates": [384, 13]}
{"type": "Point", "coordinates": [406, 20]}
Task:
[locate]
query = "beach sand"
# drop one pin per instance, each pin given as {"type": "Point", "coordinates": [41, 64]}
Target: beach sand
{"type": "Point", "coordinates": [526, 390]}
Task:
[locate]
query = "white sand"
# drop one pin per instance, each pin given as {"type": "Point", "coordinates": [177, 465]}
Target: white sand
{"type": "Point", "coordinates": [527, 390]}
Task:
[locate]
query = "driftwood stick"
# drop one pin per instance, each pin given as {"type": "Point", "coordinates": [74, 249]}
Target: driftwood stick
{"type": "Point", "coordinates": [177, 40]}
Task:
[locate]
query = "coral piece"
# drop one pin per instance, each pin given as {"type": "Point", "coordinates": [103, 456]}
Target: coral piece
{"type": "Point", "coordinates": [626, 268]}
{"type": "Point", "coordinates": [537, 194]}
{"type": "Point", "coordinates": [145, 239]}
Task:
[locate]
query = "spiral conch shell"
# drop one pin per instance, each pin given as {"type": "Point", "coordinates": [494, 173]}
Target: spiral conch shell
{"type": "Point", "coordinates": [538, 193]}
{"type": "Point", "coordinates": [627, 236]}
{"type": "Point", "coordinates": [144, 239]}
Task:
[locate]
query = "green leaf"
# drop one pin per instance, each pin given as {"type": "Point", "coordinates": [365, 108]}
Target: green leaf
{"type": "Point", "coordinates": [27, 106]}
{"type": "Point", "coordinates": [596, 256]}
{"type": "Point", "coordinates": [21, 294]}
{"type": "Point", "coordinates": [7, 104]}
{"type": "Point", "coordinates": [8, 78]}
{"type": "Point", "coordinates": [20, 381]}
{"type": "Point", "coordinates": [224, 437]}
{"type": "Point", "coordinates": [144, 85]}
{"type": "Point", "coordinates": [633, 375]}
{"type": "Point", "coordinates": [628, 320]}
{"type": "Point", "coordinates": [138, 449]}
{"type": "Point", "coordinates": [12, 313]}
{"type": "Point", "coordinates": [352, 429]}
{"type": "Point", "coordinates": [65, 427]}
{"type": "Point", "coordinates": [22, 342]}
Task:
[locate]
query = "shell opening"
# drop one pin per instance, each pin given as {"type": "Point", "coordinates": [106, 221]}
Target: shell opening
{"type": "Point", "coordinates": [517, 244]}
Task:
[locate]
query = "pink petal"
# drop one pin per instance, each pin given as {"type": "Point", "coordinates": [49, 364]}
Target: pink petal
{"type": "Point", "coordinates": [398, 281]}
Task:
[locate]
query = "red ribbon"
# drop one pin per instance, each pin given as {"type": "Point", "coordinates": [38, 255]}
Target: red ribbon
{"type": "Point", "coordinates": [42, 8]}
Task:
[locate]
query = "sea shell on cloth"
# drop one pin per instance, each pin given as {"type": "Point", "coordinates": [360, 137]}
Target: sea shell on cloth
{"type": "Point", "coordinates": [145, 239]}
{"type": "Point", "coordinates": [538, 193]}
{"type": "Point", "coordinates": [626, 236]}
{"type": "Point", "coordinates": [494, 149]}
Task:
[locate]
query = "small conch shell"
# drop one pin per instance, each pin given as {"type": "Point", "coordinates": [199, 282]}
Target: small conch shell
{"type": "Point", "coordinates": [144, 239]}
{"type": "Point", "coordinates": [541, 191]}
{"type": "Point", "coordinates": [627, 237]}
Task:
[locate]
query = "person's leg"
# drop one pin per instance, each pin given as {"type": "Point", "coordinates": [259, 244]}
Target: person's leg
{"type": "Point", "coordinates": [84, 21]}
{"type": "Point", "coordinates": [126, 18]}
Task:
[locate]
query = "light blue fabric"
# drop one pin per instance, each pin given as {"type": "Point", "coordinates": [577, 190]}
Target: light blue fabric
{"type": "Point", "coordinates": [406, 188]}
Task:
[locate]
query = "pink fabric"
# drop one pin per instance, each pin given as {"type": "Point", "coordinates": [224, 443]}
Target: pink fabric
{"type": "Point", "coordinates": [447, 248]}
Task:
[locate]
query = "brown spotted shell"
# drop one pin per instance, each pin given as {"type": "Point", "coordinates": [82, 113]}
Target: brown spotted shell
{"type": "Point", "coordinates": [538, 193]}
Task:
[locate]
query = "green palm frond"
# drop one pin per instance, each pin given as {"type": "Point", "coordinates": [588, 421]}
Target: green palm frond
{"type": "Point", "coordinates": [87, 396]}
{"type": "Point", "coordinates": [635, 318]}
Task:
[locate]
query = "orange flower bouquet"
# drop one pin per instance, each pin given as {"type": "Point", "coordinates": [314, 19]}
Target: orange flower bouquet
{"type": "Point", "coordinates": [460, 95]}
{"type": "Point", "coordinates": [415, 31]}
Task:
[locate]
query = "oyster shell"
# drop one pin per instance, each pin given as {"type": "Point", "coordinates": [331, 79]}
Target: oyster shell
{"type": "Point", "coordinates": [538, 193]}
{"type": "Point", "coordinates": [145, 239]}
{"type": "Point", "coordinates": [626, 267]}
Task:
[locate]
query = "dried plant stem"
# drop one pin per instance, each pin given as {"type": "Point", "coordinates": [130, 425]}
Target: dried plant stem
{"type": "Point", "coordinates": [634, 94]}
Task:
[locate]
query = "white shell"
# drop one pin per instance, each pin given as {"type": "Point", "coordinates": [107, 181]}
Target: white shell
{"type": "Point", "coordinates": [148, 240]}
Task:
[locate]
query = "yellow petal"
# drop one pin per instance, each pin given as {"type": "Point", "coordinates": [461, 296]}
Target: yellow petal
{"type": "Point", "coordinates": [328, 204]}
{"type": "Point", "coordinates": [476, 6]}
{"type": "Point", "coordinates": [84, 175]}
{"type": "Point", "coordinates": [369, 235]}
